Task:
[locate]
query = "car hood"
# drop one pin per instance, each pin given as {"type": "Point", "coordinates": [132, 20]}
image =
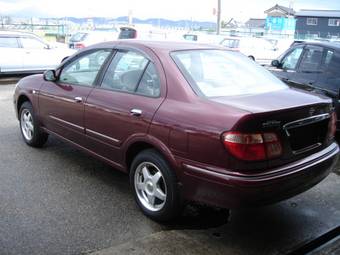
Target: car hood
{"type": "Point", "coordinates": [273, 101]}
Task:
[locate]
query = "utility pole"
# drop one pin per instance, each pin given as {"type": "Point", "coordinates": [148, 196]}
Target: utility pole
{"type": "Point", "coordinates": [218, 30]}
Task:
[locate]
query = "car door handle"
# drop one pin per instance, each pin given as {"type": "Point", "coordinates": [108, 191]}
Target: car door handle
{"type": "Point", "coordinates": [136, 112]}
{"type": "Point", "coordinates": [78, 99]}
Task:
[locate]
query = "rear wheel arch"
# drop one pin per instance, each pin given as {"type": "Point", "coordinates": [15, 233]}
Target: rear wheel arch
{"type": "Point", "coordinates": [135, 147]}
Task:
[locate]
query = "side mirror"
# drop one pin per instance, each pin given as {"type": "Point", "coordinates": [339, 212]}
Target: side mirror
{"type": "Point", "coordinates": [276, 63]}
{"type": "Point", "coordinates": [50, 75]}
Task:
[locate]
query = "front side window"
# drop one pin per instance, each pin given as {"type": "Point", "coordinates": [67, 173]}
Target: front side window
{"type": "Point", "coordinates": [311, 59]}
{"type": "Point", "coordinates": [291, 60]}
{"type": "Point", "coordinates": [32, 43]}
{"type": "Point", "coordinates": [8, 42]}
{"type": "Point", "coordinates": [84, 70]}
{"type": "Point", "coordinates": [125, 71]}
{"type": "Point", "coordinates": [312, 21]}
{"type": "Point", "coordinates": [216, 73]}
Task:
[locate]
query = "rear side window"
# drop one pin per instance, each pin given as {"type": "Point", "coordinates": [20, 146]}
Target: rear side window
{"type": "Point", "coordinates": [8, 42]}
{"type": "Point", "coordinates": [328, 57]}
{"type": "Point", "coordinates": [125, 71]}
{"type": "Point", "coordinates": [133, 73]}
{"type": "Point", "coordinates": [331, 73]}
{"type": "Point", "coordinates": [311, 59]}
{"type": "Point", "coordinates": [149, 84]}
{"type": "Point", "coordinates": [231, 43]}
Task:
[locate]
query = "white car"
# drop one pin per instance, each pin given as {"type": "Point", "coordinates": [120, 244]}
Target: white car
{"type": "Point", "coordinates": [86, 38]}
{"type": "Point", "coordinates": [261, 50]}
{"type": "Point", "coordinates": [25, 52]}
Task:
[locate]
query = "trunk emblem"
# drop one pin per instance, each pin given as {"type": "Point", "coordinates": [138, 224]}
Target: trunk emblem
{"type": "Point", "coordinates": [271, 123]}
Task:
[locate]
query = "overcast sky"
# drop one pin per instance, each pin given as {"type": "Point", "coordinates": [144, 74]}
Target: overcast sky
{"type": "Point", "coordinates": [173, 9]}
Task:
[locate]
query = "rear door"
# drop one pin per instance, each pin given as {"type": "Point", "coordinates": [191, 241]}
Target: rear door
{"type": "Point", "coordinates": [123, 106]}
{"type": "Point", "coordinates": [309, 67]}
{"type": "Point", "coordinates": [329, 79]}
{"type": "Point", "coordinates": [12, 56]}
{"type": "Point", "coordinates": [61, 103]}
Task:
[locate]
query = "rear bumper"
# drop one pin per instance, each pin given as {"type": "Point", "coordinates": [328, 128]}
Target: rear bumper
{"type": "Point", "coordinates": [213, 186]}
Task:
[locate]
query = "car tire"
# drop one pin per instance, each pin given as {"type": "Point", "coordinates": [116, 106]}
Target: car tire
{"type": "Point", "coordinates": [155, 186]}
{"type": "Point", "coordinates": [29, 126]}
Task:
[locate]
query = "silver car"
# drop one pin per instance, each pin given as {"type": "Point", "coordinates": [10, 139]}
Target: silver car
{"type": "Point", "coordinates": [25, 52]}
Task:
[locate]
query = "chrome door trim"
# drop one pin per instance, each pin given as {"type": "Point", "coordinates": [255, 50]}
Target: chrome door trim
{"type": "Point", "coordinates": [80, 128]}
{"type": "Point", "coordinates": [101, 135]}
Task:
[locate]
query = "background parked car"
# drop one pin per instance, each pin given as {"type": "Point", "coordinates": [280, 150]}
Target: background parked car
{"type": "Point", "coordinates": [313, 66]}
{"type": "Point", "coordinates": [26, 52]}
{"type": "Point", "coordinates": [259, 49]}
{"type": "Point", "coordinates": [127, 33]}
{"type": "Point", "coordinates": [145, 32]}
{"type": "Point", "coordinates": [202, 38]}
{"type": "Point", "coordinates": [83, 39]}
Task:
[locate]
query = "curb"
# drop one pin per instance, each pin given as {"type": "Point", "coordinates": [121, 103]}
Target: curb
{"type": "Point", "coordinates": [9, 81]}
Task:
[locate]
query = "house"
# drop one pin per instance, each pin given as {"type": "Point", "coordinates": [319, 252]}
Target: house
{"type": "Point", "coordinates": [255, 26]}
{"type": "Point", "coordinates": [280, 20]}
{"type": "Point", "coordinates": [317, 23]}
{"type": "Point", "coordinates": [255, 23]}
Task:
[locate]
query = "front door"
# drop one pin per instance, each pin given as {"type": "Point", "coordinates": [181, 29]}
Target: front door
{"type": "Point", "coordinates": [123, 106]}
{"type": "Point", "coordinates": [61, 103]}
{"type": "Point", "coordinates": [288, 66]}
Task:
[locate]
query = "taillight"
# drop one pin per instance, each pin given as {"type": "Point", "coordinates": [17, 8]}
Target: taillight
{"type": "Point", "coordinates": [332, 126]}
{"type": "Point", "coordinates": [252, 147]}
{"type": "Point", "coordinates": [79, 46]}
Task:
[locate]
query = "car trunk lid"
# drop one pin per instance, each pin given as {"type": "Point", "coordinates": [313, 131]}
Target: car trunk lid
{"type": "Point", "coordinates": [300, 119]}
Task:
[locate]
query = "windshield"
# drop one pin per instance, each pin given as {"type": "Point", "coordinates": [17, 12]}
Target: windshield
{"type": "Point", "coordinates": [78, 37]}
{"type": "Point", "coordinates": [215, 73]}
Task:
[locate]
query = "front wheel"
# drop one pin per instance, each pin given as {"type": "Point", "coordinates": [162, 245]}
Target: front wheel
{"type": "Point", "coordinates": [29, 127]}
{"type": "Point", "coordinates": [154, 185]}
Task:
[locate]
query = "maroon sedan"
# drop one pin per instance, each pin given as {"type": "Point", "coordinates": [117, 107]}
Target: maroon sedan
{"type": "Point", "coordinates": [187, 122]}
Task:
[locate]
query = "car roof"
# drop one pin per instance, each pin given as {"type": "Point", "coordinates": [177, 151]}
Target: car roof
{"type": "Point", "coordinates": [162, 45]}
{"type": "Point", "coordinates": [332, 45]}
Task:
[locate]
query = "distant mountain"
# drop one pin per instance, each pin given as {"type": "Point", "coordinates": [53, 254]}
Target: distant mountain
{"type": "Point", "coordinates": [151, 21]}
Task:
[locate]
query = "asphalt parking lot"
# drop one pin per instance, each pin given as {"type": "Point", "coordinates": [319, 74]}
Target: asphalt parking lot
{"type": "Point", "coordinates": [58, 200]}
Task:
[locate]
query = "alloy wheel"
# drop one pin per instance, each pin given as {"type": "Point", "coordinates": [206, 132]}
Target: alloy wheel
{"type": "Point", "coordinates": [27, 125]}
{"type": "Point", "coordinates": [150, 186]}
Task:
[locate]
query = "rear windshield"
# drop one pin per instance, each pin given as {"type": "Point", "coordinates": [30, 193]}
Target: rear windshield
{"type": "Point", "coordinates": [215, 73]}
{"type": "Point", "coordinates": [78, 37]}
